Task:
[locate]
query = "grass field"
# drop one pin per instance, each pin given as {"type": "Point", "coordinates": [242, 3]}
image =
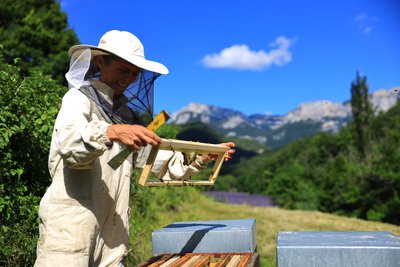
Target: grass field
{"type": "Point", "coordinates": [269, 221]}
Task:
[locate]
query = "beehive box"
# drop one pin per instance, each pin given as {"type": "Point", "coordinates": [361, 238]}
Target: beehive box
{"type": "Point", "coordinates": [341, 248]}
{"type": "Point", "coordinates": [212, 236]}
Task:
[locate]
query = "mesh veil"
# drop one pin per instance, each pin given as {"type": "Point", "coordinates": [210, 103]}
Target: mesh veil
{"type": "Point", "coordinates": [136, 104]}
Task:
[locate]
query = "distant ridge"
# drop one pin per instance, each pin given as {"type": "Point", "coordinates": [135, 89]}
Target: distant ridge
{"type": "Point", "coordinates": [276, 130]}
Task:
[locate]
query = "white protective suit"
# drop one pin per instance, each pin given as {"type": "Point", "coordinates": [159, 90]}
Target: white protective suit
{"type": "Point", "coordinates": [84, 215]}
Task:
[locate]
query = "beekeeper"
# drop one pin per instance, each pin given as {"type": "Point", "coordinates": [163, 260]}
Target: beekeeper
{"type": "Point", "coordinates": [84, 215]}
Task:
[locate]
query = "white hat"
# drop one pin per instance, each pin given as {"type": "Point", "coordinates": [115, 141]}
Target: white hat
{"type": "Point", "coordinates": [124, 45]}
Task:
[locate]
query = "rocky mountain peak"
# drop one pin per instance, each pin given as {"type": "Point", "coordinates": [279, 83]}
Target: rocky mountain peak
{"type": "Point", "coordinates": [383, 100]}
{"type": "Point", "coordinates": [207, 114]}
{"type": "Point", "coordinates": [268, 128]}
{"type": "Point", "coordinates": [317, 111]}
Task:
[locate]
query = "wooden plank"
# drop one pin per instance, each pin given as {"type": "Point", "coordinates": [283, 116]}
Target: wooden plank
{"type": "Point", "coordinates": [149, 164]}
{"type": "Point", "coordinates": [170, 261]}
{"type": "Point", "coordinates": [181, 145]}
{"type": "Point", "coordinates": [150, 261]}
{"type": "Point", "coordinates": [205, 260]}
{"type": "Point", "coordinates": [224, 259]}
{"type": "Point", "coordinates": [165, 258]}
{"type": "Point", "coordinates": [216, 168]}
{"type": "Point", "coordinates": [182, 260]}
{"type": "Point", "coordinates": [244, 259]}
{"type": "Point", "coordinates": [234, 261]}
{"type": "Point", "coordinates": [192, 261]}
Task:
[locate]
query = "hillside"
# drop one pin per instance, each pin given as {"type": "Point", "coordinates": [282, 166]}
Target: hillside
{"type": "Point", "coordinates": [269, 221]}
{"type": "Point", "coordinates": [201, 132]}
{"type": "Point", "coordinates": [326, 172]}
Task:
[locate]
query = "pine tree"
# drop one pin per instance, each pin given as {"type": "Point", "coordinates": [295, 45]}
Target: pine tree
{"type": "Point", "coordinates": [362, 112]}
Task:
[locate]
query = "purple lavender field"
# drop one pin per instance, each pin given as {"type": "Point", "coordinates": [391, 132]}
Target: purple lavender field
{"type": "Point", "coordinates": [241, 198]}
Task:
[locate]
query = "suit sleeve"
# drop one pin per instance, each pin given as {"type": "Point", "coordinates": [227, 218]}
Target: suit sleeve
{"type": "Point", "coordinates": [79, 138]}
{"type": "Point", "coordinates": [169, 165]}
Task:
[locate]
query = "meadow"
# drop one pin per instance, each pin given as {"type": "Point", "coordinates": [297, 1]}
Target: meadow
{"type": "Point", "coordinates": [269, 221]}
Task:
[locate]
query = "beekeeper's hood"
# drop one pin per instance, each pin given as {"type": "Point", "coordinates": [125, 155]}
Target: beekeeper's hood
{"type": "Point", "coordinates": [139, 95]}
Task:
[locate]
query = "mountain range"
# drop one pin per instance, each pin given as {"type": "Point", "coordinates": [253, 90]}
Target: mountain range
{"type": "Point", "coordinates": [274, 131]}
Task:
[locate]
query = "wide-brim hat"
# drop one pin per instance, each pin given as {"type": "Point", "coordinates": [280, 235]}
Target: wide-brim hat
{"type": "Point", "coordinates": [122, 44]}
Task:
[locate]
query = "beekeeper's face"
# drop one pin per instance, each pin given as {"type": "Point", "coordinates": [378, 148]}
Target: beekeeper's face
{"type": "Point", "coordinates": [117, 73]}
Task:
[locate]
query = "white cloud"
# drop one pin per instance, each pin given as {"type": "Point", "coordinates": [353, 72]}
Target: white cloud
{"type": "Point", "coordinates": [361, 17]}
{"type": "Point", "coordinates": [367, 30]}
{"type": "Point", "coordinates": [241, 57]}
{"type": "Point", "coordinates": [364, 23]}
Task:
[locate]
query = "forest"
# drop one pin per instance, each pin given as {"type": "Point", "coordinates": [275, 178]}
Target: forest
{"type": "Point", "coordinates": [354, 172]}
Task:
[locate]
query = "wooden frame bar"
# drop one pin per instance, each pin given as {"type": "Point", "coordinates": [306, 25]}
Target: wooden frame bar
{"type": "Point", "coordinates": [184, 146]}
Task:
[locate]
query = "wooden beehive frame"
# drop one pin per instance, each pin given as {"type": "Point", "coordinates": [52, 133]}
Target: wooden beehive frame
{"type": "Point", "coordinates": [184, 146]}
{"type": "Point", "coordinates": [229, 259]}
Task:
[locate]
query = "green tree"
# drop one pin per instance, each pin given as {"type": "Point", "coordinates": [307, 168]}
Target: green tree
{"type": "Point", "coordinates": [362, 112]}
{"type": "Point", "coordinates": [382, 182]}
{"type": "Point", "coordinates": [28, 108]}
{"type": "Point", "coordinates": [37, 32]}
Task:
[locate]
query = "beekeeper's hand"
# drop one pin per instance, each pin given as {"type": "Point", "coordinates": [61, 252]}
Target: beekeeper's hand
{"type": "Point", "coordinates": [135, 136]}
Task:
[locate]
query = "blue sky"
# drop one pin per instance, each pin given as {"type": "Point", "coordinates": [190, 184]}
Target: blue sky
{"type": "Point", "coordinates": [254, 56]}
